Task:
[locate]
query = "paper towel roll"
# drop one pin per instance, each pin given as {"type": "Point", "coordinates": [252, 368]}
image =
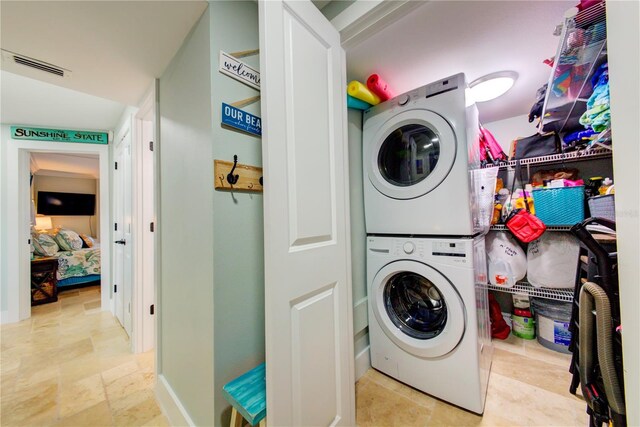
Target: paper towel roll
{"type": "Point", "coordinates": [379, 87]}
{"type": "Point", "coordinates": [358, 90]}
{"type": "Point", "coordinates": [356, 103]}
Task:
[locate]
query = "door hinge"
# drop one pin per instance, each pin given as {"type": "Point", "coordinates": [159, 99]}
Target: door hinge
{"type": "Point", "coordinates": [116, 165]}
{"type": "Point", "coordinates": [150, 145]}
{"type": "Point", "coordinates": [152, 227]}
{"type": "Point", "coordinates": [152, 309]}
{"type": "Point", "coordinates": [115, 226]}
{"type": "Point", "coordinates": [28, 241]}
{"type": "Point", "coordinates": [129, 308]}
{"type": "Point", "coordinates": [115, 289]}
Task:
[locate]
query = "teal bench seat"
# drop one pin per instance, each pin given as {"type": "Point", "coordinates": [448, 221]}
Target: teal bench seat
{"type": "Point", "coordinates": [247, 395]}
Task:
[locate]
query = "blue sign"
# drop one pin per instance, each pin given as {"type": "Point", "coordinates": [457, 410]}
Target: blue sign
{"type": "Point", "coordinates": [241, 120]}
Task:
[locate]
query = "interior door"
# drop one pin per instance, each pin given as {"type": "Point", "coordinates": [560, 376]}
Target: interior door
{"type": "Point", "coordinates": [308, 314]}
{"type": "Point", "coordinates": [122, 233]}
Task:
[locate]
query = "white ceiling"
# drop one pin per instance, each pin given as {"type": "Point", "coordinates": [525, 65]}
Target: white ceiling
{"type": "Point", "coordinates": [65, 165]}
{"type": "Point", "coordinates": [30, 102]}
{"type": "Point", "coordinates": [442, 38]}
{"type": "Point", "coordinates": [114, 49]}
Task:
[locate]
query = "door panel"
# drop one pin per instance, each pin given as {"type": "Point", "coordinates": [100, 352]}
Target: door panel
{"type": "Point", "coordinates": [309, 345]}
{"type": "Point", "coordinates": [118, 235]}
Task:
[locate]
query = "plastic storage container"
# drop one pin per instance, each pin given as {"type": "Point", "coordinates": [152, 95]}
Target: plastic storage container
{"type": "Point", "coordinates": [559, 206]}
{"type": "Point", "coordinates": [523, 327]}
{"type": "Point", "coordinates": [552, 319]}
{"type": "Point", "coordinates": [603, 207]}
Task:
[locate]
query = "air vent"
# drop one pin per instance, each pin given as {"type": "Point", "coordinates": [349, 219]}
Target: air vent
{"type": "Point", "coordinates": [34, 63]}
{"type": "Point", "coordinates": [39, 65]}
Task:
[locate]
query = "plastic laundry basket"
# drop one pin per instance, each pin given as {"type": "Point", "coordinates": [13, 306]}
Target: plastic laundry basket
{"type": "Point", "coordinates": [603, 207]}
{"type": "Point", "coordinates": [559, 206]}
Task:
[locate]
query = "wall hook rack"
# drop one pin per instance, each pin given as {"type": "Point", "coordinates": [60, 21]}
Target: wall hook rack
{"type": "Point", "coordinates": [244, 177]}
{"type": "Point", "coordinates": [231, 178]}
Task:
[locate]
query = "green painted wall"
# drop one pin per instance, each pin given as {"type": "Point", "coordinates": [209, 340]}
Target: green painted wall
{"type": "Point", "coordinates": [238, 217]}
{"type": "Point", "coordinates": [185, 225]}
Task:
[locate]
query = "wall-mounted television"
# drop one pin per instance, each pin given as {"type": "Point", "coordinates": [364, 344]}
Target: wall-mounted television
{"type": "Point", "coordinates": [52, 203]}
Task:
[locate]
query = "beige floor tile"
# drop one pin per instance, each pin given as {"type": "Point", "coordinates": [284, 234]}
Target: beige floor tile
{"type": "Point", "coordinates": [119, 371]}
{"type": "Point", "coordinates": [80, 368]}
{"type": "Point", "coordinates": [81, 395]}
{"type": "Point", "coordinates": [52, 373]}
{"type": "Point", "coordinates": [33, 378]}
{"type": "Point", "coordinates": [138, 414]}
{"type": "Point", "coordinates": [377, 405]}
{"type": "Point", "coordinates": [30, 405]}
{"type": "Point", "coordinates": [122, 387]}
{"type": "Point", "coordinates": [98, 415]}
{"type": "Point", "coordinates": [159, 421]}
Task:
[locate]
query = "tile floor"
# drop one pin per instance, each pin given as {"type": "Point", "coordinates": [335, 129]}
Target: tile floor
{"type": "Point", "coordinates": [528, 386]}
{"type": "Point", "coordinates": [70, 365]}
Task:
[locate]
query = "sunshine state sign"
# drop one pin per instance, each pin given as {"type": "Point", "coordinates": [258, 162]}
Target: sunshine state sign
{"type": "Point", "coordinates": [59, 135]}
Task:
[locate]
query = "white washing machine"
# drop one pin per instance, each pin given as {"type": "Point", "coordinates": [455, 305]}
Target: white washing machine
{"type": "Point", "coordinates": [429, 317]}
{"type": "Point", "coordinates": [418, 151]}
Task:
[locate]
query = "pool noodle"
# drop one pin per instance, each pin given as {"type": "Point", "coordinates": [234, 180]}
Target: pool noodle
{"type": "Point", "coordinates": [360, 91]}
{"type": "Point", "coordinates": [356, 103]}
{"type": "Point", "coordinates": [379, 87]}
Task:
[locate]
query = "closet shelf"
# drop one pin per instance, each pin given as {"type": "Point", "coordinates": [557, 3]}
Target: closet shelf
{"type": "Point", "coordinates": [582, 49]}
{"type": "Point", "coordinates": [502, 227]}
{"type": "Point", "coordinates": [526, 288]}
{"type": "Point", "coordinates": [573, 156]}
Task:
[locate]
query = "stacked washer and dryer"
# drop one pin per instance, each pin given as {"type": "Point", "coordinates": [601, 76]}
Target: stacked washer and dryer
{"type": "Point", "coordinates": [428, 311]}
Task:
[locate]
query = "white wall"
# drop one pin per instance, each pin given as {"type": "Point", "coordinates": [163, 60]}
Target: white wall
{"type": "Point", "coordinates": [623, 28]}
{"type": "Point", "coordinates": [185, 234]}
{"type": "Point", "coordinates": [238, 261]}
{"type": "Point", "coordinates": [509, 129]}
{"type": "Point", "coordinates": [80, 224]}
{"type": "Point", "coordinates": [358, 245]}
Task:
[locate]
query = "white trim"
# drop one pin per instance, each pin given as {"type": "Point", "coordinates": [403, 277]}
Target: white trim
{"type": "Point", "coordinates": [18, 265]}
{"type": "Point", "coordinates": [363, 362]}
{"type": "Point", "coordinates": [170, 405]}
{"type": "Point", "coordinates": [143, 292]}
{"type": "Point", "coordinates": [366, 17]}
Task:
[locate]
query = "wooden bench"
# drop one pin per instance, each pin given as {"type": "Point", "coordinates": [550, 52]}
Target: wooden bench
{"type": "Point", "coordinates": [247, 395]}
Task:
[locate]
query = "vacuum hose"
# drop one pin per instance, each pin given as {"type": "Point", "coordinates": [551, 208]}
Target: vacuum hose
{"type": "Point", "coordinates": [593, 295]}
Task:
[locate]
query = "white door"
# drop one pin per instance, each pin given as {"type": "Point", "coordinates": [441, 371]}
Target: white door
{"type": "Point", "coordinates": [122, 233]}
{"type": "Point", "coordinates": [308, 314]}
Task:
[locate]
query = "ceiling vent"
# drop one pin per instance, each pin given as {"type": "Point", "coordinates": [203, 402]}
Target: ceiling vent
{"type": "Point", "coordinates": [34, 63]}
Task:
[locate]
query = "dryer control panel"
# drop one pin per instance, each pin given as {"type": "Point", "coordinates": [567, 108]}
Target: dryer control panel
{"type": "Point", "coordinates": [459, 252]}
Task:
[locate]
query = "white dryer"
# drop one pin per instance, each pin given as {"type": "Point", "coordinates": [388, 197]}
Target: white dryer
{"type": "Point", "coordinates": [429, 315]}
{"type": "Point", "coordinates": [418, 151]}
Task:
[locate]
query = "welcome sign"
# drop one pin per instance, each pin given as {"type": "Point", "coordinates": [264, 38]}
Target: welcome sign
{"type": "Point", "coordinates": [59, 135]}
{"type": "Point", "coordinates": [238, 70]}
{"type": "Point", "coordinates": [241, 120]}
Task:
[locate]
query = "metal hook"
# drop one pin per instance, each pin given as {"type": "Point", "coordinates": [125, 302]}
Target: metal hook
{"type": "Point", "coordinates": [231, 178]}
{"type": "Point", "coordinates": [260, 180]}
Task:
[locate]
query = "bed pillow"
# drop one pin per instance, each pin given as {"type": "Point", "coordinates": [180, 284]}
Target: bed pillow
{"type": "Point", "coordinates": [44, 245]}
{"type": "Point", "coordinates": [87, 241]}
{"type": "Point", "coordinates": [68, 240]}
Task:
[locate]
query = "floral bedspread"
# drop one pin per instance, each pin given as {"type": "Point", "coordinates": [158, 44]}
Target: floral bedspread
{"type": "Point", "coordinates": [82, 262]}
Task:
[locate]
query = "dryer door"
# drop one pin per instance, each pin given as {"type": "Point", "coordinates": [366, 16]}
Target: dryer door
{"type": "Point", "coordinates": [418, 308]}
{"type": "Point", "coordinates": [411, 154]}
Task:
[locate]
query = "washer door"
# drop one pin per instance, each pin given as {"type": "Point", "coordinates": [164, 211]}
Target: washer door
{"type": "Point", "coordinates": [418, 308]}
{"type": "Point", "coordinates": [412, 154]}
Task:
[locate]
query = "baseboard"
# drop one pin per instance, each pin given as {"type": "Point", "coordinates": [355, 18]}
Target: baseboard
{"type": "Point", "coordinates": [170, 404]}
{"type": "Point", "coordinates": [4, 317]}
{"type": "Point", "coordinates": [363, 362]}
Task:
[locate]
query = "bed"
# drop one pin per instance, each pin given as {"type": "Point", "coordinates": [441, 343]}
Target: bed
{"type": "Point", "coordinates": [79, 267]}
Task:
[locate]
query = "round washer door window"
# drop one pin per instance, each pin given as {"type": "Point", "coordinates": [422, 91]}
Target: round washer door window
{"type": "Point", "coordinates": [415, 305]}
{"type": "Point", "coordinates": [417, 308]}
{"type": "Point", "coordinates": [409, 154]}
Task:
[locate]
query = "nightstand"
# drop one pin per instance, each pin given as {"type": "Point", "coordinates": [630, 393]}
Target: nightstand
{"type": "Point", "coordinates": [44, 283]}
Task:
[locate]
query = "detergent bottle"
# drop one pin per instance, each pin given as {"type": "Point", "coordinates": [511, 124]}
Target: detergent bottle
{"type": "Point", "coordinates": [604, 188]}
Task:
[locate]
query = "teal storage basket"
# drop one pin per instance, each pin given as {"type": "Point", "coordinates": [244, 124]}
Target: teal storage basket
{"type": "Point", "coordinates": [559, 206]}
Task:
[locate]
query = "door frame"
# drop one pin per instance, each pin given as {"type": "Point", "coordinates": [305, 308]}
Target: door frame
{"type": "Point", "coordinates": [18, 227]}
{"type": "Point", "coordinates": [143, 337]}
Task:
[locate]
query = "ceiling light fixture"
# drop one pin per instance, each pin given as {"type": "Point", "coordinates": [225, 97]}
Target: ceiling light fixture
{"type": "Point", "coordinates": [492, 85]}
